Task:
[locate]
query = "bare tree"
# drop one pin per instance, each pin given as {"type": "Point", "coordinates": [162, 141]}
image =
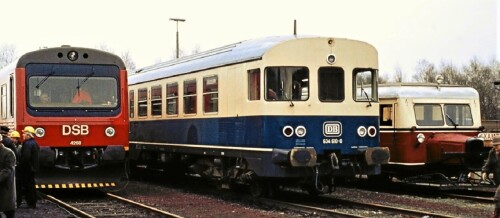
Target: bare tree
{"type": "Point", "coordinates": [129, 63]}
{"type": "Point", "coordinates": [426, 72]}
{"type": "Point", "coordinates": [196, 49]}
{"type": "Point", "coordinates": [7, 55]}
{"type": "Point", "coordinates": [398, 75]}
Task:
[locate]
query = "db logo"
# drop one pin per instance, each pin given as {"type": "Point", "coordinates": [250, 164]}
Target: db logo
{"type": "Point", "coordinates": [75, 130]}
{"type": "Point", "coordinates": [332, 129]}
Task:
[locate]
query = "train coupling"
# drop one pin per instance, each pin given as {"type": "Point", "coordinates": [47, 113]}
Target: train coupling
{"type": "Point", "coordinates": [295, 157]}
{"type": "Point", "coordinates": [378, 155]}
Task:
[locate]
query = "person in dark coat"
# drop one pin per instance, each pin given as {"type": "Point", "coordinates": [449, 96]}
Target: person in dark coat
{"type": "Point", "coordinates": [7, 142]}
{"type": "Point", "coordinates": [27, 168]}
{"type": "Point", "coordinates": [7, 184]}
{"type": "Point", "coordinates": [492, 165]}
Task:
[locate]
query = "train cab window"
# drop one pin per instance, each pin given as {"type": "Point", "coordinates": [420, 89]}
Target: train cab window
{"type": "Point", "coordinates": [429, 115]}
{"type": "Point", "coordinates": [4, 100]}
{"type": "Point", "coordinates": [156, 99]}
{"type": "Point", "coordinates": [458, 115]}
{"type": "Point", "coordinates": [386, 115]}
{"type": "Point", "coordinates": [131, 103]}
{"type": "Point", "coordinates": [254, 84]}
{"type": "Point", "coordinates": [172, 99]}
{"type": "Point", "coordinates": [142, 102]}
{"type": "Point", "coordinates": [286, 84]}
{"type": "Point", "coordinates": [190, 96]}
{"type": "Point", "coordinates": [210, 94]}
{"type": "Point", "coordinates": [331, 84]}
{"type": "Point", "coordinates": [365, 85]}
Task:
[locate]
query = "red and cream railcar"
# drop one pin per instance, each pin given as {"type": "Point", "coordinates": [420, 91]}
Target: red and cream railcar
{"type": "Point", "coordinates": [75, 98]}
{"type": "Point", "coordinates": [431, 129]}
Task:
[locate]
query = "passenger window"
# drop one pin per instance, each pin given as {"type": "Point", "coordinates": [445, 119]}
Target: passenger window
{"type": "Point", "coordinates": [172, 99]}
{"type": "Point", "coordinates": [190, 96]}
{"type": "Point", "coordinates": [210, 94]}
{"type": "Point", "coordinates": [4, 101]}
{"type": "Point", "coordinates": [254, 84]}
{"type": "Point", "coordinates": [142, 102]}
{"type": "Point", "coordinates": [131, 103]}
{"type": "Point", "coordinates": [156, 100]}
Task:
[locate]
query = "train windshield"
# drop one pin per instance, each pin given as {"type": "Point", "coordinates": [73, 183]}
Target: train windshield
{"type": "Point", "coordinates": [432, 115]}
{"type": "Point", "coordinates": [287, 83]}
{"type": "Point", "coordinates": [365, 85]}
{"type": "Point", "coordinates": [72, 86]}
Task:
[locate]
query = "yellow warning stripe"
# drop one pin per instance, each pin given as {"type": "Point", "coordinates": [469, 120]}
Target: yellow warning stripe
{"type": "Point", "coordinates": [75, 185]}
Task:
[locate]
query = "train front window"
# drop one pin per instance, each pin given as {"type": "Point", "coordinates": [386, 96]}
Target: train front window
{"type": "Point", "coordinates": [429, 115]}
{"type": "Point", "coordinates": [72, 86]}
{"type": "Point", "coordinates": [365, 87]}
{"type": "Point", "coordinates": [331, 84]}
{"type": "Point", "coordinates": [458, 115]}
{"type": "Point", "coordinates": [286, 84]}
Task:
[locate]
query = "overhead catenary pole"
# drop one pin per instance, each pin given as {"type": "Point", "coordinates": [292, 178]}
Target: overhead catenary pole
{"type": "Point", "coordinates": [177, 20]}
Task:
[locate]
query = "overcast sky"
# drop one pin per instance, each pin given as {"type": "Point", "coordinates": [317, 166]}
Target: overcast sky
{"type": "Point", "coordinates": [404, 32]}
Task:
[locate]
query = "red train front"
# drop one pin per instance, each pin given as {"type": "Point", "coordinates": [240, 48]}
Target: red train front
{"type": "Point", "coordinates": [75, 98]}
{"type": "Point", "coordinates": [431, 131]}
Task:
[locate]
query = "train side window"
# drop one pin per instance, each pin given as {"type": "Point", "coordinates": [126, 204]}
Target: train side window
{"type": "Point", "coordinates": [254, 84]}
{"type": "Point", "coordinates": [210, 94]}
{"type": "Point", "coordinates": [331, 84]}
{"type": "Point", "coordinates": [156, 99]}
{"type": "Point", "coordinates": [142, 102]}
{"type": "Point", "coordinates": [172, 98]}
{"type": "Point", "coordinates": [386, 115]}
{"type": "Point", "coordinates": [11, 96]}
{"type": "Point", "coordinates": [131, 103]}
{"type": "Point", "coordinates": [4, 101]}
{"type": "Point", "coordinates": [190, 96]}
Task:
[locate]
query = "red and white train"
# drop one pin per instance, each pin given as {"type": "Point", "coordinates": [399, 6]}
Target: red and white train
{"type": "Point", "coordinates": [431, 131]}
{"type": "Point", "coordinates": [76, 99]}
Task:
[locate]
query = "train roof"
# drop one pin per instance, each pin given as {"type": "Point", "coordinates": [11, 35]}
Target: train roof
{"type": "Point", "coordinates": [425, 90]}
{"type": "Point", "coordinates": [230, 54]}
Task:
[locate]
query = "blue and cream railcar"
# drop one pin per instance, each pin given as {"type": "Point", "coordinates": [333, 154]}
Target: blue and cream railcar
{"type": "Point", "coordinates": [288, 108]}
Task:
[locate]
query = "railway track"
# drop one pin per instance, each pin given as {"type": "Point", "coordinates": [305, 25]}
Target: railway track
{"type": "Point", "coordinates": [108, 205]}
{"type": "Point", "coordinates": [331, 206]}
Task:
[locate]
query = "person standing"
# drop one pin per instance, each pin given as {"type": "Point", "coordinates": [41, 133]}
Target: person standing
{"type": "Point", "coordinates": [28, 166]}
{"type": "Point", "coordinates": [7, 185]}
{"type": "Point", "coordinates": [492, 165]}
{"type": "Point", "coordinates": [7, 142]}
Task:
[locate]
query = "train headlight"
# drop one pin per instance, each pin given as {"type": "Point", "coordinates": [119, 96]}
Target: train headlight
{"type": "Point", "coordinates": [288, 131]}
{"type": "Point", "coordinates": [72, 55]}
{"type": "Point", "coordinates": [420, 138]}
{"type": "Point", "coordinates": [372, 131]}
{"type": "Point", "coordinates": [362, 131]}
{"type": "Point", "coordinates": [110, 131]}
{"type": "Point", "coordinates": [330, 59]}
{"type": "Point", "coordinates": [39, 132]}
{"type": "Point", "coordinates": [300, 131]}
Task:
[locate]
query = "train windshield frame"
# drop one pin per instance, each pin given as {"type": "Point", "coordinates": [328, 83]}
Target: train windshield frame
{"type": "Point", "coordinates": [72, 88]}
{"type": "Point", "coordinates": [432, 114]}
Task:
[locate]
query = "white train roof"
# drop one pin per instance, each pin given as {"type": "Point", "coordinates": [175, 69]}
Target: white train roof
{"type": "Point", "coordinates": [416, 90]}
{"type": "Point", "coordinates": [230, 54]}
